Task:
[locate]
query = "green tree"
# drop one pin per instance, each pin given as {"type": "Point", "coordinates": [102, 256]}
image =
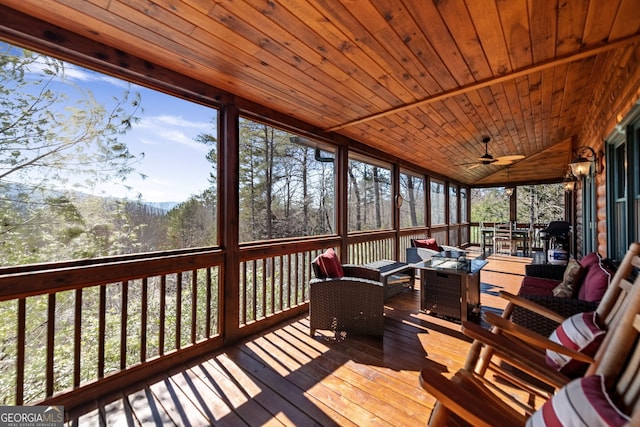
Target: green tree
{"type": "Point", "coordinates": [45, 136]}
{"type": "Point", "coordinates": [536, 204]}
{"type": "Point", "coordinates": [489, 205]}
{"type": "Point", "coordinates": [54, 135]}
{"type": "Point", "coordinates": [192, 223]}
{"type": "Point", "coordinates": [540, 204]}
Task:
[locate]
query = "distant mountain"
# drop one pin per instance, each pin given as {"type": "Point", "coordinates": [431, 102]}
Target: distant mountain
{"type": "Point", "coordinates": [11, 191]}
{"type": "Point", "coordinates": [165, 206]}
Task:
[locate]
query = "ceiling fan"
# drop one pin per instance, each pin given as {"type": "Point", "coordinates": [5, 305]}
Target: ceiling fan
{"type": "Point", "coordinates": [488, 159]}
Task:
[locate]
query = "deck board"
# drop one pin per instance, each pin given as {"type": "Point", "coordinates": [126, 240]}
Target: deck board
{"type": "Point", "coordinates": [284, 377]}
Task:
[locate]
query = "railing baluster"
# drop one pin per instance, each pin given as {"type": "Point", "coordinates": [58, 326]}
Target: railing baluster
{"type": "Point", "coordinates": [306, 268]}
{"type": "Point", "coordinates": [207, 328]}
{"type": "Point", "coordinates": [265, 287]}
{"type": "Point", "coordinates": [77, 338]}
{"type": "Point", "coordinates": [288, 273]}
{"type": "Point", "coordinates": [51, 330]}
{"type": "Point", "coordinates": [194, 304]}
{"type": "Point", "coordinates": [272, 291]}
{"type": "Point", "coordinates": [244, 293]}
{"type": "Point", "coordinates": [163, 314]}
{"type": "Point", "coordinates": [301, 269]}
{"type": "Point", "coordinates": [281, 281]}
{"type": "Point", "coordinates": [178, 310]}
{"type": "Point", "coordinates": [254, 289]}
{"type": "Point", "coordinates": [101, 330]}
{"type": "Point", "coordinates": [143, 320]}
{"type": "Point", "coordinates": [124, 316]}
{"type": "Point", "coordinates": [21, 341]}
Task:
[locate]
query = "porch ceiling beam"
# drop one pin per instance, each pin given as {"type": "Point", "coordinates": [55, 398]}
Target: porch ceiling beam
{"type": "Point", "coordinates": [595, 50]}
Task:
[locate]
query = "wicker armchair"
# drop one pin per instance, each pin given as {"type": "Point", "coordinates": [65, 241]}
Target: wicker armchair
{"type": "Point", "coordinates": [353, 303]}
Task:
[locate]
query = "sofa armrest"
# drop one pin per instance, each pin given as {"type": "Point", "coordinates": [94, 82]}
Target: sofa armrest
{"type": "Point", "coordinates": [565, 307]}
{"type": "Point", "coordinates": [416, 255]}
{"type": "Point", "coordinates": [545, 271]}
{"type": "Point", "coordinates": [362, 271]}
{"type": "Point", "coordinates": [452, 248]}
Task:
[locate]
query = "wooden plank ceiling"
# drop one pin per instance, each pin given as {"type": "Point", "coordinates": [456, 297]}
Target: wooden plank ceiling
{"type": "Point", "coordinates": [421, 80]}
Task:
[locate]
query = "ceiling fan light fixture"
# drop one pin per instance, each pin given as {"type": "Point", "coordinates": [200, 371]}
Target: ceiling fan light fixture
{"type": "Point", "coordinates": [486, 158]}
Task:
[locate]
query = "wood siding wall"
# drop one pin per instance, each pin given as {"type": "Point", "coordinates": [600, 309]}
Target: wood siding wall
{"type": "Point", "coordinates": [612, 101]}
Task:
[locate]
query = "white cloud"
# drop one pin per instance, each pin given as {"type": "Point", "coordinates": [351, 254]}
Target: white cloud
{"type": "Point", "coordinates": [181, 122]}
{"type": "Point", "coordinates": [74, 73]}
{"type": "Point", "coordinates": [173, 129]}
{"type": "Point", "coordinates": [172, 121]}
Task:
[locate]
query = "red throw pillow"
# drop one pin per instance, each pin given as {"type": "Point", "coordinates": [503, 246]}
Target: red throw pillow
{"type": "Point", "coordinates": [595, 283]}
{"type": "Point", "coordinates": [590, 259]}
{"type": "Point", "coordinates": [427, 244]}
{"type": "Point", "coordinates": [329, 264]}
{"type": "Point", "coordinates": [532, 285]}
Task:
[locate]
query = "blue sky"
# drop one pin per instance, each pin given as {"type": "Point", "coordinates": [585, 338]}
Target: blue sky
{"type": "Point", "coordinates": [174, 163]}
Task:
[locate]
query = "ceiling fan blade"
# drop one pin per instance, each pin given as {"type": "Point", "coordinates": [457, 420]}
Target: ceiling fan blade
{"type": "Point", "coordinates": [511, 158]}
{"type": "Point", "coordinates": [488, 159]}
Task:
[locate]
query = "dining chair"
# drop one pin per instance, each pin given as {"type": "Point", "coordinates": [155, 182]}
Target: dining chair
{"type": "Point", "coordinates": [503, 241]}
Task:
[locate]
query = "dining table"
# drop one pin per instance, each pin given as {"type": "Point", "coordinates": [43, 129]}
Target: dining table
{"type": "Point", "coordinates": [518, 234]}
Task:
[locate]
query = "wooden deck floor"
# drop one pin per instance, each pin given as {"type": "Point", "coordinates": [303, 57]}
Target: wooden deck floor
{"type": "Point", "coordinates": [286, 377]}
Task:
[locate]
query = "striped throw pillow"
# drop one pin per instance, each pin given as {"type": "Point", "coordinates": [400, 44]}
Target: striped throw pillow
{"type": "Point", "coordinates": [582, 402]}
{"type": "Point", "coordinates": [580, 332]}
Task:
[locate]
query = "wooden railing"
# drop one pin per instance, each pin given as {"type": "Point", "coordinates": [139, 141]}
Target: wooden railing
{"type": "Point", "coordinates": [76, 331]}
{"type": "Point", "coordinates": [79, 329]}
{"type": "Point", "coordinates": [368, 247]}
{"type": "Point", "coordinates": [277, 281]}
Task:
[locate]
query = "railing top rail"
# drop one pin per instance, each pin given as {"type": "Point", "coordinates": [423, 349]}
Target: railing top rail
{"type": "Point", "coordinates": [100, 261]}
{"type": "Point", "coordinates": [29, 283]}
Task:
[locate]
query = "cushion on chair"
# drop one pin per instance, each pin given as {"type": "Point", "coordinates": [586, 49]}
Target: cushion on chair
{"type": "Point", "coordinates": [570, 281]}
{"type": "Point", "coordinates": [580, 332]}
{"type": "Point", "coordinates": [582, 402]}
{"type": "Point", "coordinates": [590, 259]}
{"type": "Point", "coordinates": [596, 282]}
{"type": "Point", "coordinates": [427, 243]}
{"type": "Point", "coordinates": [532, 285]}
{"type": "Point", "coordinates": [328, 264]}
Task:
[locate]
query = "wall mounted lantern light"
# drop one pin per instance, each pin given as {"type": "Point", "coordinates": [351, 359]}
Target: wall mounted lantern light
{"type": "Point", "coordinates": [581, 165]}
{"type": "Point", "coordinates": [508, 190]}
{"type": "Point", "coordinates": [569, 182]}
